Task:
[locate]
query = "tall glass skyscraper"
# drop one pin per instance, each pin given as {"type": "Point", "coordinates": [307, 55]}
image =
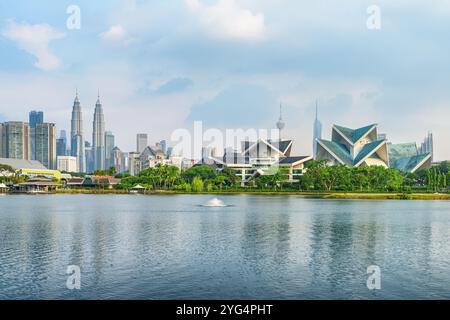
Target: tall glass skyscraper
{"type": "Point", "coordinates": [76, 135]}
{"type": "Point", "coordinates": [317, 131]}
{"type": "Point", "coordinates": [61, 144]}
{"type": "Point", "coordinates": [35, 118]}
{"type": "Point", "coordinates": [109, 146]}
{"type": "Point", "coordinates": [98, 137]}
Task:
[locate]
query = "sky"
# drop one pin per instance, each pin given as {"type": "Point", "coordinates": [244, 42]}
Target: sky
{"type": "Point", "coordinates": [160, 65]}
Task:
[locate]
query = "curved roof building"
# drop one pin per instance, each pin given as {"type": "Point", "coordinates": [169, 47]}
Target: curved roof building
{"type": "Point", "coordinates": [354, 147]}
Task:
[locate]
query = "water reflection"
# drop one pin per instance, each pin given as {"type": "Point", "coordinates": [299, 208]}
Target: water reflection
{"type": "Point", "coordinates": [260, 247]}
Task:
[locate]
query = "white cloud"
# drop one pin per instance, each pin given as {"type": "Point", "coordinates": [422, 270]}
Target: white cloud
{"type": "Point", "coordinates": [35, 40]}
{"type": "Point", "coordinates": [116, 35]}
{"type": "Point", "coordinates": [227, 20]}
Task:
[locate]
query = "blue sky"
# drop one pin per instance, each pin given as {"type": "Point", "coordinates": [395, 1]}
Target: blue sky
{"type": "Point", "coordinates": [159, 65]}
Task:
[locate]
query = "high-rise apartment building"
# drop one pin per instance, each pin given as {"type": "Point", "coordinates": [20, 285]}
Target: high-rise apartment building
{"type": "Point", "coordinates": [45, 144]}
{"type": "Point", "coordinates": [66, 164]}
{"type": "Point", "coordinates": [15, 140]}
{"type": "Point", "coordinates": [141, 142]}
{"type": "Point", "coordinates": [109, 146]}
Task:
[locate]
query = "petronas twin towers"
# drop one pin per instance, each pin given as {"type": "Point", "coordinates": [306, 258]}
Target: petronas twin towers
{"type": "Point", "coordinates": [98, 136]}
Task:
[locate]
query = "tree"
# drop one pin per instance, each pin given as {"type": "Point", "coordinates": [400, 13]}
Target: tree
{"type": "Point", "coordinates": [204, 172]}
{"type": "Point", "coordinates": [197, 184]}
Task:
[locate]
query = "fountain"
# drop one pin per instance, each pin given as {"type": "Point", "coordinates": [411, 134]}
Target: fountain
{"type": "Point", "coordinates": [215, 203]}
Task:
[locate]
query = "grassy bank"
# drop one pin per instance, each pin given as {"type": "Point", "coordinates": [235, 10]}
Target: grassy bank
{"type": "Point", "coordinates": [322, 195]}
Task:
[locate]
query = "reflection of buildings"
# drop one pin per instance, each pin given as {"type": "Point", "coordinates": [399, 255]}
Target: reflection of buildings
{"type": "Point", "coordinates": [363, 147]}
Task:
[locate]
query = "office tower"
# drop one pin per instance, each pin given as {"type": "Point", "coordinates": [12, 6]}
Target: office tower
{"type": "Point", "coordinates": [35, 118]}
{"type": "Point", "coordinates": [134, 163]}
{"type": "Point", "coordinates": [116, 159]}
{"type": "Point", "coordinates": [142, 142]}
{"type": "Point", "coordinates": [2, 152]}
{"type": "Point", "coordinates": [76, 136]}
{"type": "Point", "coordinates": [89, 157]}
{"type": "Point", "coordinates": [98, 137]}
{"type": "Point", "coordinates": [61, 144]}
{"type": "Point", "coordinates": [163, 146]}
{"type": "Point", "coordinates": [280, 125]}
{"type": "Point", "coordinates": [45, 140]}
{"type": "Point", "coordinates": [317, 131]}
{"type": "Point", "coordinates": [124, 159]}
{"type": "Point", "coordinates": [427, 145]}
{"type": "Point", "coordinates": [16, 140]}
{"type": "Point", "coordinates": [109, 146]}
{"type": "Point", "coordinates": [66, 164]}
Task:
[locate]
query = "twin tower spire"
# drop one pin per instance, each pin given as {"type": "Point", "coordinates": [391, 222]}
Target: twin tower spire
{"type": "Point", "coordinates": [98, 136]}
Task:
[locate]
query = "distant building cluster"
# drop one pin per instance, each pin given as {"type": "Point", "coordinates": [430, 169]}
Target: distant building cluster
{"type": "Point", "coordinates": [36, 146]}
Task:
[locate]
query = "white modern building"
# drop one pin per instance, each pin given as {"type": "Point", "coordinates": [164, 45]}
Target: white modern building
{"type": "Point", "coordinates": [66, 164]}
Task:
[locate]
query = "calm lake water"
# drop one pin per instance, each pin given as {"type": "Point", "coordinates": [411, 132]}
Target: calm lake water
{"type": "Point", "coordinates": [261, 247]}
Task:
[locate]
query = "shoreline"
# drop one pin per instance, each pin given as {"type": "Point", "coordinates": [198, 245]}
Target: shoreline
{"type": "Point", "coordinates": [317, 195]}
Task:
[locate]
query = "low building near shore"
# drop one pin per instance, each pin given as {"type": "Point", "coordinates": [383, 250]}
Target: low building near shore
{"type": "Point", "coordinates": [101, 182]}
{"type": "Point", "coordinates": [30, 168]}
{"type": "Point", "coordinates": [3, 188]}
{"type": "Point", "coordinates": [262, 157]}
{"type": "Point", "coordinates": [36, 185]}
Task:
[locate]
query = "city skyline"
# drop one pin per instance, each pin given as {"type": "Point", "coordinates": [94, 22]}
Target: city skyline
{"type": "Point", "coordinates": [168, 63]}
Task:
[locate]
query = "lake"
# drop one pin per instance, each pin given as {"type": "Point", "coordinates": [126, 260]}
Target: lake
{"type": "Point", "coordinates": [258, 247]}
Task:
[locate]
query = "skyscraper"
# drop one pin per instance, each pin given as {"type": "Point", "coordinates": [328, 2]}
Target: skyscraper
{"type": "Point", "coordinates": [98, 136]}
{"type": "Point", "coordinates": [45, 139]}
{"type": "Point", "coordinates": [141, 142]}
{"type": "Point", "coordinates": [116, 159]}
{"type": "Point", "coordinates": [15, 140]}
{"type": "Point", "coordinates": [61, 144]}
{"type": "Point", "coordinates": [109, 146]}
{"type": "Point", "coordinates": [317, 131]}
{"type": "Point", "coordinates": [163, 146]}
{"type": "Point", "coordinates": [35, 118]}
{"type": "Point", "coordinates": [76, 136]}
{"type": "Point", "coordinates": [2, 151]}
{"type": "Point", "coordinates": [427, 145]}
{"type": "Point", "coordinates": [89, 157]}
